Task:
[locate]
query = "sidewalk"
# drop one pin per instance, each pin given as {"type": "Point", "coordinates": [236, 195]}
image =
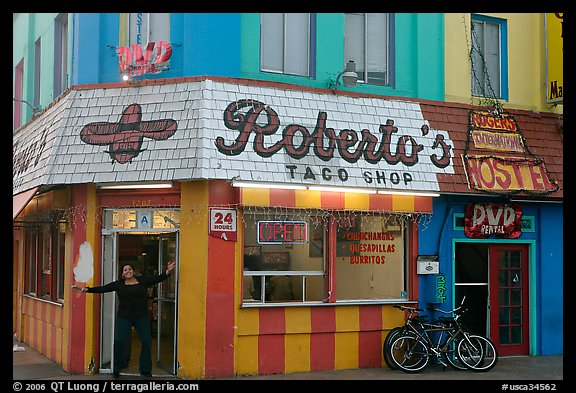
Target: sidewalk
{"type": "Point", "coordinates": [31, 365]}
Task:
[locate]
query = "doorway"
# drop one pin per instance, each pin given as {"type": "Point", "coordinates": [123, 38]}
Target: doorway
{"type": "Point", "coordinates": [494, 279]}
{"type": "Point", "coordinates": [509, 298]}
{"type": "Point", "coordinates": [148, 253]}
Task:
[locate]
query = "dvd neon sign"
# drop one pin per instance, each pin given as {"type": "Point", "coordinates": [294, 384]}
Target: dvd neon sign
{"type": "Point", "coordinates": [282, 232]}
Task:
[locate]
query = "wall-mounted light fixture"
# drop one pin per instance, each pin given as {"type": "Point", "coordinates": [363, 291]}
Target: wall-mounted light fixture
{"type": "Point", "coordinates": [35, 109]}
{"type": "Point", "coordinates": [126, 77]}
{"type": "Point", "coordinates": [349, 76]}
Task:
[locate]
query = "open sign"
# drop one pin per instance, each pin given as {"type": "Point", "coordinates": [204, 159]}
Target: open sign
{"type": "Point", "coordinates": [282, 232]}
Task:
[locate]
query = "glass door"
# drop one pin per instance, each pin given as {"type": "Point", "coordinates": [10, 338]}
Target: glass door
{"type": "Point", "coordinates": [509, 298]}
{"type": "Point", "coordinates": [109, 267]}
{"type": "Point", "coordinates": [167, 305]}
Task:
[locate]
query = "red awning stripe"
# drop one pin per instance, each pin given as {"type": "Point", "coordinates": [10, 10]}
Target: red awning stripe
{"type": "Point", "coordinates": [19, 201]}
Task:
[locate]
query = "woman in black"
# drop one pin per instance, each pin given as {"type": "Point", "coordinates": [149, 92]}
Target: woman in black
{"type": "Point", "coordinates": [132, 311]}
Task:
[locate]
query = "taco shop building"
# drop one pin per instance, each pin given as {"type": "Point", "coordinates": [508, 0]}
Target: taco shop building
{"type": "Point", "coordinates": [297, 218]}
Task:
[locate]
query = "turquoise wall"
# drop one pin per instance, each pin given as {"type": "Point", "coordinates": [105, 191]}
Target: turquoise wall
{"type": "Point", "coordinates": [26, 29]}
{"type": "Point", "coordinates": [418, 55]}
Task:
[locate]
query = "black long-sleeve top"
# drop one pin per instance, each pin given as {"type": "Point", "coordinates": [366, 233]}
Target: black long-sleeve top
{"type": "Point", "coordinates": [132, 299]}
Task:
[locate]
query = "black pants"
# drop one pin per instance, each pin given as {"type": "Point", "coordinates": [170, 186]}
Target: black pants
{"type": "Point", "coordinates": [122, 336]}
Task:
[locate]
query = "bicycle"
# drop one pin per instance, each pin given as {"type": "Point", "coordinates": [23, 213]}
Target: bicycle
{"type": "Point", "coordinates": [399, 330]}
{"type": "Point", "coordinates": [475, 351]}
{"type": "Point", "coordinates": [444, 349]}
{"type": "Point", "coordinates": [411, 351]}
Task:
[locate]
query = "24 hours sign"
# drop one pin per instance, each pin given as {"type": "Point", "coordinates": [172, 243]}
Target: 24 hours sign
{"type": "Point", "coordinates": [223, 223]}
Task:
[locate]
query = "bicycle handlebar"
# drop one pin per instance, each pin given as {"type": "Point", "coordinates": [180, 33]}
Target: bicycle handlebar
{"type": "Point", "coordinates": [412, 309]}
{"type": "Point", "coordinates": [458, 310]}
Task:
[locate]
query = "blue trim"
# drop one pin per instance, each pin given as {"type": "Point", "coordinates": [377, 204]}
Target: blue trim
{"type": "Point", "coordinates": [392, 50]}
{"type": "Point", "coordinates": [312, 54]}
{"type": "Point", "coordinates": [531, 224]}
{"type": "Point", "coordinates": [455, 226]}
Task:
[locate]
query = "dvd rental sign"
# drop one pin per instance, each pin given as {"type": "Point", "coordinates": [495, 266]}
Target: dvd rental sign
{"type": "Point", "coordinates": [483, 220]}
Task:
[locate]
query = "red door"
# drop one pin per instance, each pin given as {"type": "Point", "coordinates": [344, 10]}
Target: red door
{"type": "Point", "coordinates": [509, 298]}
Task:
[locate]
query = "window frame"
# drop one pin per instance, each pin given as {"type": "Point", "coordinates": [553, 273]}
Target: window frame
{"type": "Point", "coordinates": [264, 275]}
{"type": "Point", "coordinates": [329, 267]}
{"type": "Point", "coordinates": [503, 55]}
{"type": "Point", "coordinates": [389, 69]}
{"type": "Point", "coordinates": [310, 52]}
{"type": "Point", "coordinates": [18, 93]}
{"type": "Point", "coordinates": [147, 20]}
{"type": "Point", "coordinates": [45, 244]}
{"type": "Point", "coordinates": [37, 70]}
{"type": "Point", "coordinates": [60, 54]}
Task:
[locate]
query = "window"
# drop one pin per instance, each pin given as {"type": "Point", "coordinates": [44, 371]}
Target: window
{"type": "Point", "coordinates": [459, 222]}
{"type": "Point", "coordinates": [45, 258]}
{"type": "Point", "coordinates": [287, 257]}
{"type": "Point", "coordinates": [37, 62]}
{"type": "Point", "coordinates": [367, 43]}
{"type": "Point", "coordinates": [148, 27]}
{"type": "Point", "coordinates": [60, 259]}
{"type": "Point", "coordinates": [283, 258]}
{"type": "Point", "coordinates": [285, 43]}
{"type": "Point", "coordinates": [528, 224]}
{"type": "Point", "coordinates": [60, 54]}
{"type": "Point", "coordinates": [370, 260]}
{"type": "Point", "coordinates": [489, 57]}
{"type": "Point", "coordinates": [18, 89]}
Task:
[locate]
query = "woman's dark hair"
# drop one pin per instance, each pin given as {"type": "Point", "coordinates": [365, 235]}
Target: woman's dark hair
{"type": "Point", "coordinates": [124, 265]}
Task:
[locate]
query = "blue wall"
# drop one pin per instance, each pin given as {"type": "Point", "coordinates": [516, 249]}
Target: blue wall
{"type": "Point", "coordinates": [202, 44]}
{"type": "Point", "coordinates": [436, 238]}
{"type": "Point", "coordinates": [228, 44]}
{"type": "Point", "coordinates": [550, 283]}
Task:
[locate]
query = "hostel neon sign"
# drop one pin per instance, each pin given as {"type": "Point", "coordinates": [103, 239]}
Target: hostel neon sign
{"type": "Point", "coordinates": [505, 174]}
{"type": "Point", "coordinates": [487, 173]}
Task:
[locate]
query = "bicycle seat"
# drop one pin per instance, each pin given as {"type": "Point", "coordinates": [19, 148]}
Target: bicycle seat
{"type": "Point", "coordinates": [420, 319]}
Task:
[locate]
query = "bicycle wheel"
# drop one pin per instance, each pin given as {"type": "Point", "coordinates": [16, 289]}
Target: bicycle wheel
{"type": "Point", "coordinates": [409, 354]}
{"type": "Point", "coordinates": [392, 334]}
{"type": "Point", "coordinates": [478, 353]}
{"type": "Point", "coordinates": [451, 356]}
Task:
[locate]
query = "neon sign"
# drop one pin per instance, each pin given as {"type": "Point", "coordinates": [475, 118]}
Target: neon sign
{"type": "Point", "coordinates": [282, 232]}
{"type": "Point", "coordinates": [145, 61]}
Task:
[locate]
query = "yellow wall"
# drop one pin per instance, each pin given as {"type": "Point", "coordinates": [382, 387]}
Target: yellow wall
{"type": "Point", "coordinates": [526, 61]}
{"type": "Point", "coordinates": [192, 282]}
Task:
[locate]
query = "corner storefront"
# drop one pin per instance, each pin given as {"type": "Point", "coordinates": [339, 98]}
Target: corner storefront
{"type": "Point", "coordinates": [297, 217]}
